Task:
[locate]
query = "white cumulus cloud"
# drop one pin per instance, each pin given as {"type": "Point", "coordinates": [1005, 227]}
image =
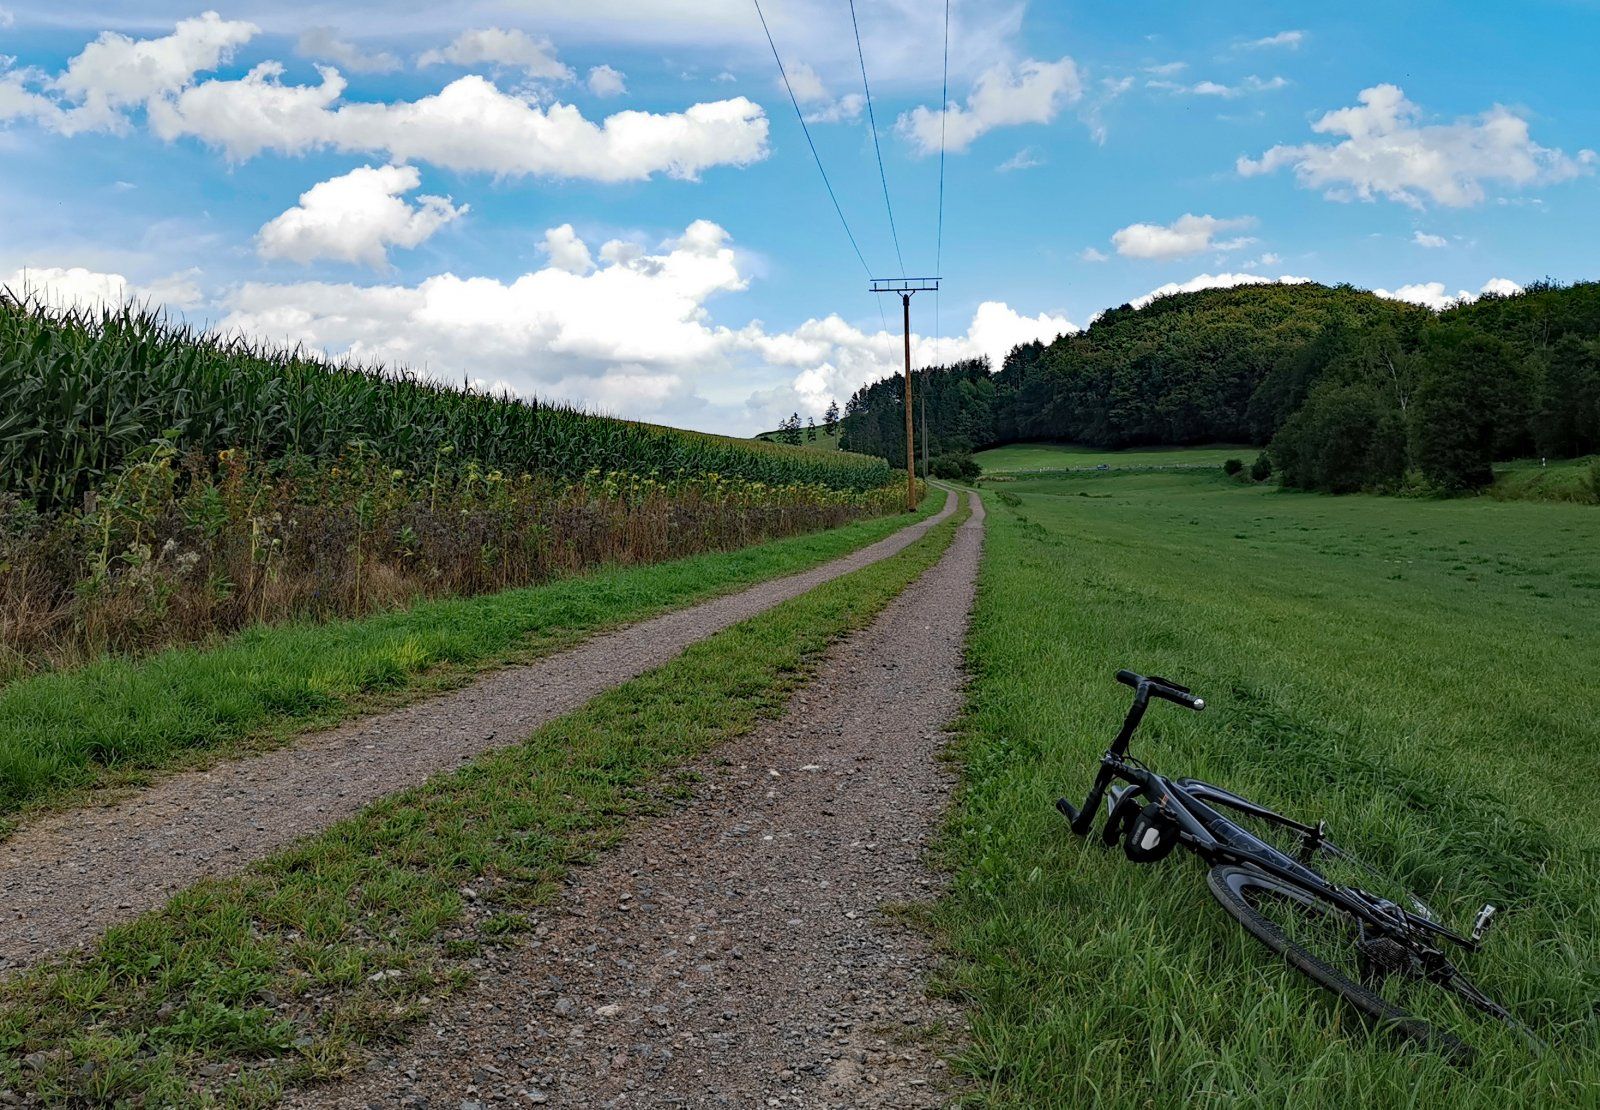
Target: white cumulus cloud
{"type": "Point", "coordinates": [1290, 39]}
{"type": "Point", "coordinates": [605, 81]}
{"type": "Point", "coordinates": [511, 49]}
{"type": "Point", "coordinates": [1003, 96]}
{"type": "Point", "coordinates": [357, 217]}
{"type": "Point", "coordinates": [819, 104]}
{"type": "Point", "coordinates": [323, 44]}
{"type": "Point", "coordinates": [469, 125]}
{"type": "Point", "coordinates": [1251, 84]}
{"type": "Point", "coordinates": [18, 102]}
{"type": "Point", "coordinates": [1188, 234]}
{"type": "Point", "coordinates": [804, 82]}
{"type": "Point", "coordinates": [1499, 287]}
{"type": "Point", "coordinates": [1432, 242]}
{"type": "Point", "coordinates": [115, 72]}
{"type": "Point", "coordinates": [75, 287]}
{"type": "Point", "coordinates": [1431, 294]}
{"type": "Point", "coordinates": [568, 252]}
{"type": "Point", "coordinates": [1387, 151]}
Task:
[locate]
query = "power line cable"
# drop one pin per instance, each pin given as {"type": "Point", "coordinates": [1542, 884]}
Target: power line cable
{"type": "Point", "coordinates": [872, 122]}
{"type": "Point", "coordinates": [817, 157]}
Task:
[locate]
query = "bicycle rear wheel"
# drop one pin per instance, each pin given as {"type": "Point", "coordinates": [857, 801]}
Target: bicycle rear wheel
{"type": "Point", "coordinates": [1324, 943]}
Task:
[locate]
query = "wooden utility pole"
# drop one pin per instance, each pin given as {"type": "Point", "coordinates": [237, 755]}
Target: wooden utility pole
{"type": "Point", "coordinates": [905, 287]}
{"type": "Point", "coordinates": [911, 453]}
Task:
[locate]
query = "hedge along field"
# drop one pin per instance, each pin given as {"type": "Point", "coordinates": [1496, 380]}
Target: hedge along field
{"type": "Point", "coordinates": [80, 392]}
{"type": "Point", "coordinates": [1419, 673]}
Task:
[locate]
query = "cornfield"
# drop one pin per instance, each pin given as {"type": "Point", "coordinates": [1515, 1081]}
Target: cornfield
{"type": "Point", "coordinates": [82, 392]}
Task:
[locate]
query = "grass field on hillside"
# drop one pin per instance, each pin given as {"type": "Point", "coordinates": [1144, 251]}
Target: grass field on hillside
{"type": "Point", "coordinates": [1571, 480]}
{"type": "Point", "coordinates": [1419, 673]}
{"type": "Point", "coordinates": [1055, 456]}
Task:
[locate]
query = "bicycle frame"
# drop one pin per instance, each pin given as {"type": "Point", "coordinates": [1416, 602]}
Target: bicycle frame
{"type": "Point", "coordinates": [1216, 839]}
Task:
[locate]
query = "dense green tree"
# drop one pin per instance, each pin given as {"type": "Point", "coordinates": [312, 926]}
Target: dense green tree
{"type": "Point", "coordinates": [1453, 419]}
{"type": "Point", "coordinates": [1343, 439]}
{"type": "Point", "coordinates": [1568, 405]}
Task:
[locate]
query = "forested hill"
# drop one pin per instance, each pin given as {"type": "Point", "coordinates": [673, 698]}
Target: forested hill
{"type": "Point", "coordinates": [1350, 390]}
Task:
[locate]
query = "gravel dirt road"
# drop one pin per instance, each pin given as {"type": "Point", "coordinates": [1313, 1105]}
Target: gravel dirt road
{"type": "Point", "coordinates": [737, 952]}
{"type": "Point", "coordinates": [65, 877]}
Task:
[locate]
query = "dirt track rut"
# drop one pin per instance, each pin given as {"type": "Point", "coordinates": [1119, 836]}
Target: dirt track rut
{"type": "Point", "coordinates": [737, 952]}
{"type": "Point", "coordinates": [66, 877]}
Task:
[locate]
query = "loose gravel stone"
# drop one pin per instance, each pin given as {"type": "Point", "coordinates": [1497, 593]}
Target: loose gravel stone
{"type": "Point", "coordinates": [764, 971]}
{"type": "Point", "coordinates": [66, 877]}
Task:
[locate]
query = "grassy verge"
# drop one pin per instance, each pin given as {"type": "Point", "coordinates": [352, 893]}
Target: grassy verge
{"type": "Point", "coordinates": [293, 970]}
{"type": "Point", "coordinates": [114, 721]}
{"type": "Point", "coordinates": [1409, 670]}
{"type": "Point", "coordinates": [1572, 480]}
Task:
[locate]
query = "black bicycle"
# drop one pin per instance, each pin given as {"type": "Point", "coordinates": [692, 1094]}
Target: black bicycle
{"type": "Point", "coordinates": [1333, 918]}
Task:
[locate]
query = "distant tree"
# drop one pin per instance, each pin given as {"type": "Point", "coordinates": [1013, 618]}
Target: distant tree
{"type": "Point", "coordinates": [1343, 439]}
{"type": "Point", "coordinates": [1232, 467]}
{"type": "Point", "coordinates": [831, 419]}
{"type": "Point", "coordinates": [1261, 469]}
{"type": "Point", "coordinates": [959, 467]}
{"type": "Point", "coordinates": [1568, 420]}
{"type": "Point", "coordinates": [811, 428]}
{"type": "Point", "coordinates": [789, 430]}
{"type": "Point", "coordinates": [1453, 414]}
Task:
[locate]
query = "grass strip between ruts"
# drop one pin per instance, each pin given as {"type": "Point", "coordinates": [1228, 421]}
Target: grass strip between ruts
{"type": "Point", "coordinates": [294, 969]}
{"type": "Point", "coordinates": [113, 722]}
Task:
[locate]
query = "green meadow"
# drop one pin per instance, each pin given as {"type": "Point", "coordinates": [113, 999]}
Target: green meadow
{"type": "Point", "coordinates": [1421, 673]}
{"type": "Point", "coordinates": [1059, 456]}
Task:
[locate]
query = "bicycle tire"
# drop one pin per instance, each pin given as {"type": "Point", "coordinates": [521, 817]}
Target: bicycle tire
{"type": "Point", "coordinates": [1232, 887]}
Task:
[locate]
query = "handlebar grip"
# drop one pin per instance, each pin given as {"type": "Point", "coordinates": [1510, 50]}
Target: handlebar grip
{"type": "Point", "coordinates": [1163, 688]}
{"type": "Point", "coordinates": [1180, 697]}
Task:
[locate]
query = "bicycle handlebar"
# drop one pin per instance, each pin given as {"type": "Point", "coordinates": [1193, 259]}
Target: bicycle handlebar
{"type": "Point", "coordinates": [1162, 688]}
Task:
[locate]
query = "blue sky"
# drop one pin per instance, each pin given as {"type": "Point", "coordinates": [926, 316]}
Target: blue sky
{"type": "Point", "coordinates": [612, 202]}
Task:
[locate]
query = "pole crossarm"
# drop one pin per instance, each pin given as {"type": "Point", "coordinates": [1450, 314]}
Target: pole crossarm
{"type": "Point", "coordinates": [904, 285]}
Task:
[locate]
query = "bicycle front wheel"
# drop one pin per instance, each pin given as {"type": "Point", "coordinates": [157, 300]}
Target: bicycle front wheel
{"type": "Point", "coordinates": [1323, 942]}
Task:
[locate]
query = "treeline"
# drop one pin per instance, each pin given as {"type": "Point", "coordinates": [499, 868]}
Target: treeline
{"type": "Point", "coordinates": [1344, 389]}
